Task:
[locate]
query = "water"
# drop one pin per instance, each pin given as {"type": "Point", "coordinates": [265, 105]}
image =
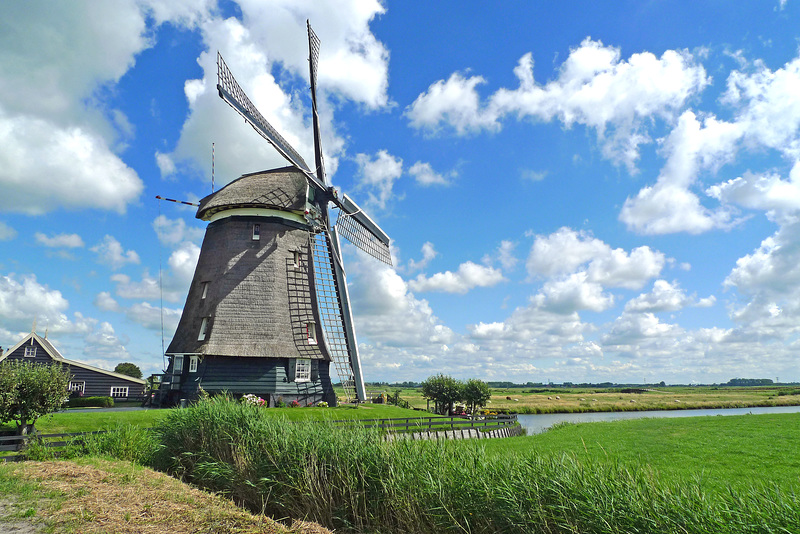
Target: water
{"type": "Point", "coordinates": [536, 423]}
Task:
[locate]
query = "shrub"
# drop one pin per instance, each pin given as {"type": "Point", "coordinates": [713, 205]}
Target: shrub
{"type": "Point", "coordinates": [29, 391]}
{"type": "Point", "coordinates": [90, 402]}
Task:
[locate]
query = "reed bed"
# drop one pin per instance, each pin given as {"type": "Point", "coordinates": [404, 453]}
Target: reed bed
{"type": "Point", "coordinates": [350, 479]}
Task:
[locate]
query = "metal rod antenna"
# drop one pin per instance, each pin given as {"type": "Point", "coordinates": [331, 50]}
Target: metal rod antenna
{"type": "Point", "coordinates": [212, 167]}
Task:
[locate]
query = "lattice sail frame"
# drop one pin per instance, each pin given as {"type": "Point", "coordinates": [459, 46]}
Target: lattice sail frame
{"type": "Point", "coordinates": [333, 306]}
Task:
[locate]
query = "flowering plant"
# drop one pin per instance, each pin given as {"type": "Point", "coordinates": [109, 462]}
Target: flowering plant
{"type": "Point", "coordinates": [294, 404]}
{"type": "Point", "coordinates": [253, 400]}
{"type": "Point", "coordinates": [322, 404]}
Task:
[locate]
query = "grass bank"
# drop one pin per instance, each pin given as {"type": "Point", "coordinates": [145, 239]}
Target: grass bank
{"type": "Point", "coordinates": [351, 480]}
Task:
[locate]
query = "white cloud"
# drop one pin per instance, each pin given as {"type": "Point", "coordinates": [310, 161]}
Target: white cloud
{"type": "Point", "coordinates": [573, 293]}
{"type": "Point", "coordinates": [468, 276]}
{"type": "Point", "coordinates": [59, 240]}
{"type": "Point", "coordinates": [7, 233]}
{"type": "Point", "coordinates": [566, 251]}
{"type": "Point", "coordinates": [665, 296]}
{"type": "Point", "coordinates": [377, 176]}
{"type": "Point", "coordinates": [110, 252]}
{"type": "Point", "coordinates": [428, 253]}
{"type": "Point", "coordinates": [151, 317]}
{"type": "Point", "coordinates": [175, 231]}
{"type": "Point", "coordinates": [106, 302]}
{"type": "Point", "coordinates": [766, 192]}
{"type": "Point", "coordinates": [630, 329]}
{"type": "Point", "coordinates": [595, 87]}
{"type": "Point", "coordinates": [424, 174]}
{"type": "Point", "coordinates": [504, 256]}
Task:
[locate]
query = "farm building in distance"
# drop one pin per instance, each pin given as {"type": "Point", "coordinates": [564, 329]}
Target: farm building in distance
{"type": "Point", "coordinates": [86, 379]}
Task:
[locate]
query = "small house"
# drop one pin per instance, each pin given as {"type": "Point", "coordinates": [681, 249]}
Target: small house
{"type": "Point", "coordinates": [85, 379]}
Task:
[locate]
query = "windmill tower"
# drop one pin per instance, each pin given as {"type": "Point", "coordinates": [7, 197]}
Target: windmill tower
{"type": "Point", "coordinates": [268, 311]}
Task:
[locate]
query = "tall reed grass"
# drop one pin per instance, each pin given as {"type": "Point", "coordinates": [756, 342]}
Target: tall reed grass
{"type": "Point", "coordinates": [350, 479]}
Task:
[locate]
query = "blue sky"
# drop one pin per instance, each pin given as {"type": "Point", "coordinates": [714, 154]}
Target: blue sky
{"type": "Point", "coordinates": [574, 191]}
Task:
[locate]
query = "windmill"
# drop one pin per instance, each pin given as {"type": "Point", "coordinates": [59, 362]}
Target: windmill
{"type": "Point", "coordinates": [268, 309]}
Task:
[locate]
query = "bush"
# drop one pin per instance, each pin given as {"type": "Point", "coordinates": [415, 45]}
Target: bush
{"type": "Point", "coordinates": [90, 402]}
{"type": "Point", "coordinates": [29, 391]}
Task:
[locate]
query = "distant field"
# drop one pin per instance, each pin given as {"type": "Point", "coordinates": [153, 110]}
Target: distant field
{"type": "Point", "coordinates": [740, 451]}
{"type": "Point", "coordinates": [540, 400]}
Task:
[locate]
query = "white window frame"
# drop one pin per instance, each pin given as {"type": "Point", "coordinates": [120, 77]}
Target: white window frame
{"type": "Point", "coordinates": [193, 361]}
{"type": "Point", "coordinates": [116, 390]}
{"type": "Point", "coordinates": [311, 332]}
{"type": "Point", "coordinates": [296, 257]}
{"type": "Point", "coordinates": [177, 364]}
{"type": "Point", "coordinates": [256, 232]}
{"type": "Point", "coordinates": [205, 290]}
{"type": "Point", "coordinates": [201, 336]}
{"type": "Point", "coordinates": [30, 351]}
{"type": "Point", "coordinates": [77, 386]}
{"type": "Point", "coordinates": [302, 370]}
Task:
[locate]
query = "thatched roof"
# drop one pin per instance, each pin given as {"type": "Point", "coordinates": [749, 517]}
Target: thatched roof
{"type": "Point", "coordinates": [283, 188]}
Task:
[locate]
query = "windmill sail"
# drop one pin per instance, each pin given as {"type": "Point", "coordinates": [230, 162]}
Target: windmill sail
{"type": "Point", "coordinates": [358, 228]}
{"type": "Point", "coordinates": [313, 59]}
{"type": "Point", "coordinates": [334, 311]}
{"type": "Point", "coordinates": [230, 92]}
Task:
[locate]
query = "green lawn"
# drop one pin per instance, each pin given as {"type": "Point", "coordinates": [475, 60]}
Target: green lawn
{"type": "Point", "coordinates": [740, 451]}
{"type": "Point", "coordinates": [87, 421]}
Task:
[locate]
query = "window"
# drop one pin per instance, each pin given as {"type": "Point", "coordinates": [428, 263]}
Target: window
{"type": "Point", "coordinates": [119, 391]}
{"type": "Point", "coordinates": [203, 329]}
{"type": "Point", "coordinates": [296, 254]}
{"type": "Point", "coordinates": [205, 290]}
{"type": "Point", "coordinates": [177, 367]}
{"type": "Point", "coordinates": [30, 352]}
{"type": "Point", "coordinates": [256, 232]}
{"type": "Point", "coordinates": [77, 386]}
{"type": "Point", "coordinates": [193, 363]}
{"type": "Point", "coordinates": [311, 333]}
{"type": "Point", "coordinates": [302, 372]}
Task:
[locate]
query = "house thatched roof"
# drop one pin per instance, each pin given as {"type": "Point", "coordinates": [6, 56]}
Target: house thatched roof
{"type": "Point", "coordinates": [283, 188]}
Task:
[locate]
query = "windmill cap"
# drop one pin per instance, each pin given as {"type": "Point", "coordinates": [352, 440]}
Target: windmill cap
{"type": "Point", "coordinates": [283, 189]}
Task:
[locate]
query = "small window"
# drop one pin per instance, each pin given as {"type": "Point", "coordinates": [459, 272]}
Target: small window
{"type": "Point", "coordinates": [177, 367]}
{"type": "Point", "coordinates": [205, 290]}
{"type": "Point", "coordinates": [296, 255]}
{"type": "Point", "coordinates": [30, 352]}
{"type": "Point", "coordinates": [193, 364]}
{"type": "Point", "coordinates": [119, 391]}
{"type": "Point", "coordinates": [203, 329]}
{"type": "Point", "coordinates": [256, 232]}
{"type": "Point", "coordinates": [311, 333]}
{"type": "Point", "coordinates": [80, 387]}
{"type": "Point", "coordinates": [302, 371]}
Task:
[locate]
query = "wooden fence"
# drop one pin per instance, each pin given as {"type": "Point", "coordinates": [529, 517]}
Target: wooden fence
{"type": "Point", "coordinates": [455, 427]}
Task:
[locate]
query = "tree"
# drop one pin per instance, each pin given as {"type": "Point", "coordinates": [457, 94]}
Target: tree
{"type": "Point", "coordinates": [28, 391]}
{"type": "Point", "coordinates": [443, 390]}
{"type": "Point", "coordinates": [129, 369]}
{"type": "Point", "coordinates": [476, 393]}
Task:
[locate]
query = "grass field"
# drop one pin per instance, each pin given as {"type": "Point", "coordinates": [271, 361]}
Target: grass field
{"type": "Point", "coordinates": [737, 451]}
{"type": "Point", "coordinates": [571, 400]}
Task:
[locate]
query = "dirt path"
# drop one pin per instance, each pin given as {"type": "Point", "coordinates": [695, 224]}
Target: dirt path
{"type": "Point", "coordinates": [98, 496]}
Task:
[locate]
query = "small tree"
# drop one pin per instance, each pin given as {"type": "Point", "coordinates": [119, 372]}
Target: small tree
{"type": "Point", "coordinates": [129, 369]}
{"type": "Point", "coordinates": [443, 390]}
{"type": "Point", "coordinates": [476, 393]}
{"type": "Point", "coordinates": [28, 391]}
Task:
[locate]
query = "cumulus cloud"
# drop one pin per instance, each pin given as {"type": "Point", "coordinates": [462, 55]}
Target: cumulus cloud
{"type": "Point", "coordinates": [377, 176]}
{"type": "Point", "coordinates": [59, 240]}
{"type": "Point", "coordinates": [666, 296]}
{"type": "Point", "coordinates": [424, 174]}
{"type": "Point", "coordinates": [595, 87]}
{"type": "Point", "coordinates": [110, 252]}
{"type": "Point", "coordinates": [175, 231]}
{"type": "Point", "coordinates": [153, 318]}
{"type": "Point", "coordinates": [7, 233]}
{"type": "Point", "coordinates": [566, 251]}
{"type": "Point", "coordinates": [106, 302]}
{"type": "Point", "coordinates": [428, 253]}
{"type": "Point", "coordinates": [468, 276]}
